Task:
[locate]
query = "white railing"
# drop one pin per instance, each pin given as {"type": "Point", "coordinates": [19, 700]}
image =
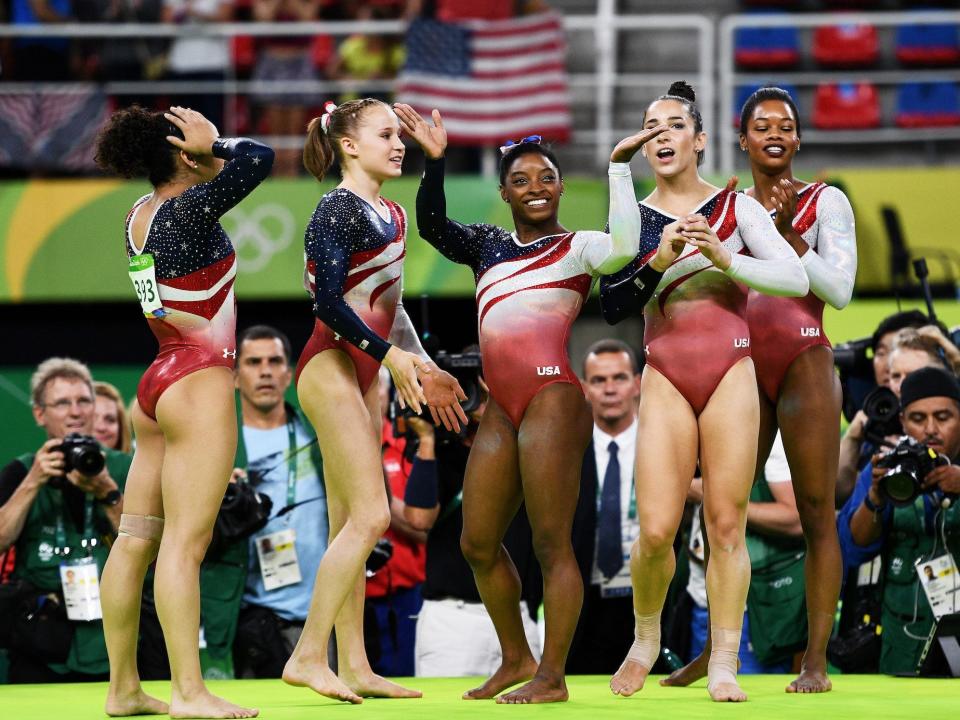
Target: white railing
{"type": "Point", "coordinates": [606, 27]}
{"type": "Point", "coordinates": [731, 79]}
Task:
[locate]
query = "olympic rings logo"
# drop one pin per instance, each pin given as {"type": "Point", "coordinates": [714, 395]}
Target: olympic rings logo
{"type": "Point", "coordinates": [259, 235]}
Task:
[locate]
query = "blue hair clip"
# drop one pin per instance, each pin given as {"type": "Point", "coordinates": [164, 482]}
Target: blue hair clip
{"type": "Point", "coordinates": [507, 144]}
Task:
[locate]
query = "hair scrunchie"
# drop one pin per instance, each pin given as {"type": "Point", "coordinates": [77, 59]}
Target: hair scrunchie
{"type": "Point", "coordinates": [328, 108]}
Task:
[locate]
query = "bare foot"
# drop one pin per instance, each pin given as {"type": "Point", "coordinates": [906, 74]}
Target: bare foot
{"type": "Point", "coordinates": [507, 675]}
{"type": "Point", "coordinates": [207, 705]}
{"type": "Point", "coordinates": [629, 679]}
{"type": "Point", "coordinates": [319, 678]}
{"type": "Point", "coordinates": [538, 690]}
{"type": "Point", "coordinates": [810, 681]}
{"type": "Point", "coordinates": [688, 674]}
{"type": "Point", "coordinates": [137, 703]}
{"type": "Point", "coordinates": [372, 685]}
{"type": "Point", "coordinates": [727, 692]}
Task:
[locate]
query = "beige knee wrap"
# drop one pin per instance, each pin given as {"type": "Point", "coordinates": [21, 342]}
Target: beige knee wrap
{"type": "Point", "coordinates": [722, 667]}
{"type": "Point", "coordinates": [145, 527]}
{"type": "Point", "coordinates": [646, 643]}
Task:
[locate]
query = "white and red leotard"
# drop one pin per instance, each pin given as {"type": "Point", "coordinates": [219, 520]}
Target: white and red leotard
{"type": "Point", "coordinates": [527, 295]}
{"type": "Point", "coordinates": [781, 328]}
{"type": "Point", "coordinates": [696, 323]}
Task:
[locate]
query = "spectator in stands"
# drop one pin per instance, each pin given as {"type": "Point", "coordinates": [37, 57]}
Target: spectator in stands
{"type": "Point", "coordinates": [278, 454]}
{"type": "Point", "coordinates": [60, 521]}
{"type": "Point", "coordinates": [41, 59]}
{"type": "Point", "coordinates": [285, 59]}
{"type": "Point", "coordinates": [853, 455]}
{"type": "Point", "coordinates": [368, 56]}
{"type": "Point", "coordinates": [907, 537]}
{"type": "Point", "coordinates": [775, 623]}
{"type": "Point", "coordinates": [111, 426]}
{"type": "Point", "coordinates": [394, 592]}
{"type": "Point", "coordinates": [455, 635]}
{"type": "Point", "coordinates": [196, 58]}
{"type": "Point", "coordinates": [605, 525]}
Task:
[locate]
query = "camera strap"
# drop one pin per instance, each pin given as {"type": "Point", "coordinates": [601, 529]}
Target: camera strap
{"type": "Point", "coordinates": [87, 540]}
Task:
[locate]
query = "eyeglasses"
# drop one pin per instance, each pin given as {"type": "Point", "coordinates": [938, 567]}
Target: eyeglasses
{"type": "Point", "coordinates": [507, 144]}
{"type": "Point", "coordinates": [64, 405]}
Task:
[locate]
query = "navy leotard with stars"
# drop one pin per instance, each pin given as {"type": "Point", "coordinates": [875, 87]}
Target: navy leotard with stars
{"type": "Point", "coordinates": [195, 265]}
{"type": "Point", "coordinates": [354, 263]}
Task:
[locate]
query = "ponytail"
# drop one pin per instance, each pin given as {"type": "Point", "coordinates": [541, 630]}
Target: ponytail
{"type": "Point", "coordinates": [318, 153]}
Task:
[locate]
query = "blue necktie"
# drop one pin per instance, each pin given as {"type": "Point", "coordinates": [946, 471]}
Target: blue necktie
{"type": "Point", "coordinates": [609, 535]}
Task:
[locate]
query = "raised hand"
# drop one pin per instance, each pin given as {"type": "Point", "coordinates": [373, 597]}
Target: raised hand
{"type": "Point", "coordinates": [403, 367]}
{"type": "Point", "coordinates": [628, 147]}
{"type": "Point", "coordinates": [696, 231]}
{"type": "Point", "coordinates": [443, 394]}
{"type": "Point", "coordinates": [785, 203]}
{"type": "Point", "coordinates": [432, 139]}
{"type": "Point", "coordinates": [198, 132]}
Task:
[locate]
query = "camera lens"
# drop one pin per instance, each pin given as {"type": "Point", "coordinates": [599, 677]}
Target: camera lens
{"type": "Point", "coordinates": [900, 486]}
{"type": "Point", "coordinates": [87, 460]}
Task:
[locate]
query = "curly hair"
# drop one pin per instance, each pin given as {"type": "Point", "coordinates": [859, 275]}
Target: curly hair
{"type": "Point", "coordinates": [134, 144]}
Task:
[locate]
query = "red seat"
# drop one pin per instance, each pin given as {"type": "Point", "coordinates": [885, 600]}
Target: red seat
{"type": "Point", "coordinates": [846, 107]}
{"type": "Point", "coordinates": [846, 45]}
{"type": "Point", "coordinates": [244, 50]}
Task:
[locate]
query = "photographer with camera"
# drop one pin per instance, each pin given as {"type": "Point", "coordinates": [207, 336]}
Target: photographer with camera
{"type": "Point", "coordinates": [455, 635]}
{"type": "Point", "coordinates": [859, 441]}
{"type": "Point", "coordinates": [904, 509]}
{"type": "Point", "coordinates": [257, 585]}
{"type": "Point", "coordinates": [60, 509]}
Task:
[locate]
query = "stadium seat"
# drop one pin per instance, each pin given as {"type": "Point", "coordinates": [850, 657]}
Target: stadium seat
{"type": "Point", "coordinates": [244, 50]}
{"type": "Point", "coordinates": [846, 107]}
{"type": "Point", "coordinates": [846, 45]}
{"type": "Point", "coordinates": [928, 105]}
{"type": "Point", "coordinates": [928, 44]}
{"type": "Point", "coordinates": [745, 91]}
{"type": "Point", "coordinates": [767, 47]}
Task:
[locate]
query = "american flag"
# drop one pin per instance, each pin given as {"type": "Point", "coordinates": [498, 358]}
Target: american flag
{"type": "Point", "coordinates": [491, 80]}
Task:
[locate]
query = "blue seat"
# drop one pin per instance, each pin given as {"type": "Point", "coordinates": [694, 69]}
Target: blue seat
{"type": "Point", "coordinates": [928, 44]}
{"type": "Point", "coordinates": [928, 105]}
{"type": "Point", "coordinates": [767, 47]}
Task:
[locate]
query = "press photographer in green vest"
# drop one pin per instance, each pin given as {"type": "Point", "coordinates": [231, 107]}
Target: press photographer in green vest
{"type": "Point", "coordinates": [905, 509]}
{"type": "Point", "coordinates": [60, 509]}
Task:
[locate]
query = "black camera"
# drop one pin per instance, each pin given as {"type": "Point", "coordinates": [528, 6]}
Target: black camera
{"type": "Point", "coordinates": [81, 453]}
{"type": "Point", "coordinates": [379, 556]}
{"type": "Point", "coordinates": [882, 408]}
{"type": "Point", "coordinates": [855, 366]}
{"type": "Point", "coordinates": [907, 465]}
{"type": "Point", "coordinates": [467, 369]}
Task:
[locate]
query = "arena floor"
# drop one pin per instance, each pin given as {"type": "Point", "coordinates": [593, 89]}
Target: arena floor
{"type": "Point", "coordinates": [864, 696]}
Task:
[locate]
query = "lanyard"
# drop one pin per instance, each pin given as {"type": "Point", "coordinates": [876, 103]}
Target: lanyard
{"type": "Point", "coordinates": [292, 452]}
{"type": "Point", "coordinates": [88, 541]}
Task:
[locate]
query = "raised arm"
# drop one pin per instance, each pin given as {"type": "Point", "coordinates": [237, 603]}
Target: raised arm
{"type": "Point", "coordinates": [774, 267]}
{"type": "Point", "coordinates": [833, 267]}
{"type": "Point", "coordinates": [457, 242]}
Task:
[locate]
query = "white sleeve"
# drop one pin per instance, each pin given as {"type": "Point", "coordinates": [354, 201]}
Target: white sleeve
{"type": "Point", "coordinates": [606, 254]}
{"type": "Point", "coordinates": [833, 267]}
{"type": "Point", "coordinates": [774, 268]}
{"type": "Point", "coordinates": [776, 470]}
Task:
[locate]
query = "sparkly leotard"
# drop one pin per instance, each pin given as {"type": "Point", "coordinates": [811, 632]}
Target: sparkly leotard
{"type": "Point", "coordinates": [696, 327]}
{"type": "Point", "coordinates": [782, 328]}
{"type": "Point", "coordinates": [354, 264]}
{"type": "Point", "coordinates": [527, 295]}
{"type": "Point", "coordinates": [195, 266]}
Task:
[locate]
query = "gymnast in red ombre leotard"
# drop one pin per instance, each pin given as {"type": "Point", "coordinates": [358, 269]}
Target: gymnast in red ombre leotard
{"type": "Point", "coordinates": [529, 447]}
{"type": "Point", "coordinates": [699, 247]}
{"type": "Point", "coordinates": [782, 328]}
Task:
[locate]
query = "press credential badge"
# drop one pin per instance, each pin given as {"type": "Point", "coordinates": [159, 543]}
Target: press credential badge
{"type": "Point", "coordinates": [81, 589]}
{"type": "Point", "coordinates": [941, 583]}
{"type": "Point", "coordinates": [277, 552]}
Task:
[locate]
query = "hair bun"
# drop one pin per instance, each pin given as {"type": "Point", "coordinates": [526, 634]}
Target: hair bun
{"type": "Point", "coordinates": [682, 90]}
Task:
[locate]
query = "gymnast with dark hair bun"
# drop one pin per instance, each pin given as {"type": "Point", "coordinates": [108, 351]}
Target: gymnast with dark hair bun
{"type": "Point", "coordinates": [799, 389]}
{"type": "Point", "coordinates": [182, 266]}
{"type": "Point", "coordinates": [700, 248]}
{"type": "Point", "coordinates": [531, 285]}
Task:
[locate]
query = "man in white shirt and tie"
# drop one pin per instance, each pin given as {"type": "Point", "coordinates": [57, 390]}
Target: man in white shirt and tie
{"type": "Point", "coordinates": [605, 524]}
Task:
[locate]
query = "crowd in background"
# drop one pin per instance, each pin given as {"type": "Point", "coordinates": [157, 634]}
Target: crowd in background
{"type": "Point", "coordinates": [424, 616]}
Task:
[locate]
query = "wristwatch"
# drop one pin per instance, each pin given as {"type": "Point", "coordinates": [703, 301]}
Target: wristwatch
{"type": "Point", "coordinates": [111, 499]}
